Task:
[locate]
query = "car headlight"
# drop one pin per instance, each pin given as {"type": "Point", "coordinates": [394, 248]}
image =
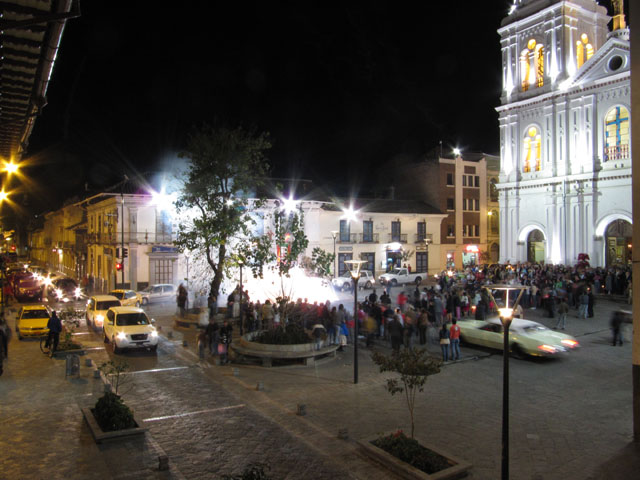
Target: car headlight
{"type": "Point", "coordinates": [154, 333]}
{"type": "Point", "coordinates": [58, 293]}
{"type": "Point", "coordinates": [99, 318]}
{"type": "Point", "coordinates": [78, 292]}
{"type": "Point", "coordinates": [121, 336]}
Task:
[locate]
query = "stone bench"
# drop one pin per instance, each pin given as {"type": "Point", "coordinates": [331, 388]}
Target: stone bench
{"type": "Point", "coordinates": [267, 353]}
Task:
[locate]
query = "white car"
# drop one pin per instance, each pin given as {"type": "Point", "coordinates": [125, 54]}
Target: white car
{"type": "Point", "coordinates": [525, 337]}
{"type": "Point", "coordinates": [162, 292]}
{"type": "Point", "coordinates": [129, 327]}
{"type": "Point", "coordinates": [97, 307]}
{"type": "Point", "coordinates": [345, 283]}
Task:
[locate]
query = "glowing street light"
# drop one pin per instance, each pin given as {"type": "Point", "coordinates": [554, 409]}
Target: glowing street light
{"type": "Point", "coordinates": [350, 215]}
{"type": "Point", "coordinates": [354, 267]}
{"type": "Point", "coordinates": [456, 152]}
{"type": "Point", "coordinates": [289, 204]}
{"type": "Point", "coordinates": [506, 317]}
{"type": "Point", "coordinates": [11, 167]}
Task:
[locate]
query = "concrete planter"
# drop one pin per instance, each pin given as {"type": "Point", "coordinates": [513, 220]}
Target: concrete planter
{"type": "Point", "coordinates": [100, 436]}
{"type": "Point", "coordinates": [458, 468]}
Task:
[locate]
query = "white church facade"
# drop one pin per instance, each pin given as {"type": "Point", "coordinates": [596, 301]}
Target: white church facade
{"type": "Point", "coordinates": [565, 169]}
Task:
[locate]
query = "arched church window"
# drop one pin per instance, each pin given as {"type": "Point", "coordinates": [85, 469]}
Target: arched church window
{"type": "Point", "coordinates": [616, 134]}
{"type": "Point", "coordinates": [532, 65]}
{"type": "Point", "coordinates": [584, 50]}
{"type": "Point", "coordinates": [532, 150]}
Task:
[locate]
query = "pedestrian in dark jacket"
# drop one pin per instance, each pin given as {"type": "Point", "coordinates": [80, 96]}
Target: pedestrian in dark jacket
{"type": "Point", "coordinates": [226, 334]}
{"type": "Point", "coordinates": [55, 327]}
{"type": "Point", "coordinates": [616, 327]}
{"type": "Point", "coordinates": [396, 333]}
{"type": "Point", "coordinates": [213, 334]}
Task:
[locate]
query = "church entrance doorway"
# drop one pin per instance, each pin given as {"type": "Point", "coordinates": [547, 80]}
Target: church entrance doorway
{"type": "Point", "coordinates": [535, 246]}
{"type": "Point", "coordinates": [618, 243]}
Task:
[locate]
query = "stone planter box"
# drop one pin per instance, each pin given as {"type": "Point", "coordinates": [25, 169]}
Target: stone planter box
{"type": "Point", "coordinates": [269, 352]}
{"type": "Point", "coordinates": [458, 468]}
{"type": "Point", "coordinates": [99, 436]}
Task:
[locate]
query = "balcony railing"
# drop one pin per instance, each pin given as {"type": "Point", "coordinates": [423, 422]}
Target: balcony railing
{"type": "Point", "coordinates": [129, 237]}
{"type": "Point", "coordinates": [616, 152]}
{"type": "Point", "coordinates": [422, 237]}
{"type": "Point", "coordinates": [400, 238]}
{"type": "Point", "coordinates": [347, 238]}
{"type": "Point", "coordinates": [368, 238]}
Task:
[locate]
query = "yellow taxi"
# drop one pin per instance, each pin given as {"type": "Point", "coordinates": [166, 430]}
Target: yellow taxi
{"type": "Point", "coordinates": [128, 298]}
{"type": "Point", "coordinates": [32, 321]}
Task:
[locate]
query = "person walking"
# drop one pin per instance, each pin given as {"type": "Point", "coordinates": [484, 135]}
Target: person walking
{"type": "Point", "coordinates": [55, 327]}
{"type": "Point", "coordinates": [396, 332]}
{"type": "Point", "coordinates": [454, 337]}
{"type": "Point", "coordinates": [226, 335]}
{"type": "Point", "coordinates": [444, 342]}
{"type": "Point", "coordinates": [563, 310]}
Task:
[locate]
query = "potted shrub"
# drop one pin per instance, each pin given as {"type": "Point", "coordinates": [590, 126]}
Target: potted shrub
{"type": "Point", "coordinates": [70, 321]}
{"type": "Point", "coordinates": [407, 454]}
{"type": "Point", "coordinates": [111, 418]}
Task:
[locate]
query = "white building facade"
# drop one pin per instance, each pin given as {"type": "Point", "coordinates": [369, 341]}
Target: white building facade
{"type": "Point", "coordinates": [565, 147]}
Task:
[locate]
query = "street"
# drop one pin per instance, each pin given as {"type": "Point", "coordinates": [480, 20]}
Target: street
{"type": "Point", "coordinates": [569, 417]}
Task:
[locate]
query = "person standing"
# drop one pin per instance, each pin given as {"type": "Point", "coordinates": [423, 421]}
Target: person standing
{"type": "Point", "coordinates": [55, 327]}
{"type": "Point", "coordinates": [213, 334]}
{"type": "Point", "coordinates": [584, 305]}
{"type": "Point", "coordinates": [454, 337]}
{"type": "Point", "coordinates": [590, 303]}
{"type": "Point", "coordinates": [182, 300]}
{"type": "Point", "coordinates": [444, 342]}
{"type": "Point", "coordinates": [616, 327]}
{"type": "Point", "coordinates": [396, 332]}
{"type": "Point", "coordinates": [563, 310]}
{"type": "Point", "coordinates": [423, 320]}
{"type": "Point", "coordinates": [226, 335]}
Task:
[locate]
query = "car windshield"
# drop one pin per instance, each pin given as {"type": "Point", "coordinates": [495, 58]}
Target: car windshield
{"type": "Point", "coordinates": [395, 271]}
{"type": "Point", "coordinates": [107, 304]}
{"type": "Point", "coordinates": [148, 289]}
{"type": "Point", "coordinates": [118, 295]}
{"type": "Point", "coordinates": [42, 313]}
{"type": "Point", "coordinates": [66, 284]}
{"type": "Point", "coordinates": [126, 319]}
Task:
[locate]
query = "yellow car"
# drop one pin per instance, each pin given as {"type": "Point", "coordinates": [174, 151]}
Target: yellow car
{"type": "Point", "coordinates": [128, 298]}
{"type": "Point", "coordinates": [32, 321]}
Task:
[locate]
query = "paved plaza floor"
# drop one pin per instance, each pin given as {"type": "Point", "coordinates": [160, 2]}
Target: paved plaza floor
{"type": "Point", "coordinates": [570, 418]}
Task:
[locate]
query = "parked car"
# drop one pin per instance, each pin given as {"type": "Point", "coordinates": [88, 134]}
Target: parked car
{"type": "Point", "coordinates": [64, 290]}
{"type": "Point", "coordinates": [162, 292]}
{"type": "Point", "coordinates": [97, 307]}
{"type": "Point", "coordinates": [344, 282]}
{"type": "Point", "coordinates": [128, 298]}
{"type": "Point", "coordinates": [525, 337]}
{"type": "Point", "coordinates": [401, 276]}
{"type": "Point", "coordinates": [32, 321]}
{"type": "Point", "coordinates": [129, 327]}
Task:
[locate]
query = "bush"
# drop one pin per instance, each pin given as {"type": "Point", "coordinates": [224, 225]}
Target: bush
{"type": "Point", "coordinates": [410, 451]}
{"type": "Point", "coordinates": [292, 334]}
{"type": "Point", "coordinates": [112, 414]}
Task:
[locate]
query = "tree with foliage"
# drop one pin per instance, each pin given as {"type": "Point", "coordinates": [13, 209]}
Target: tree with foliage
{"type": "Point", "coordinates": [414, 366]}
{"type": "Point", "coordinates": [321, 262]}
{"type": "Point", "coordinates": [224, 176]}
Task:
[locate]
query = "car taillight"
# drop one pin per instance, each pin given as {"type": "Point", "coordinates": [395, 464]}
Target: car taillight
{"type": "Point", "coordinates": [547, 348]}
{"type": "Point", "coordinates": [570, 343]}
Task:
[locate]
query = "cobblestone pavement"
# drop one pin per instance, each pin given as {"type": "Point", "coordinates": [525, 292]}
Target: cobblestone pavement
{"type": "Point", "coordinates": [570, 418]}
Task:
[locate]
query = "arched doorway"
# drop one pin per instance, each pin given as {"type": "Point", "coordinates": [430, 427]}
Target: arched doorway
{"type": "Point", "coordinates": [618, 243]}
{"type": "Point", "coordinates": [535, 246]}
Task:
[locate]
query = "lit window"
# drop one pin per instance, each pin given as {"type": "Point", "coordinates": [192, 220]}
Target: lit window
{"type": "Point", "coordinates": [616, 130]}
{"type": "Point", "coordinates": [532, 150]}
{"type": "Point", "coordinates": [532, 66]}
{"type": "Point", "coordinates": [584, 50]}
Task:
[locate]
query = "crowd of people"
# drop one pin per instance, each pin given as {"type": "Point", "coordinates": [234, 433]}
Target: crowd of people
{"type": "Point", "coordinates": [422, 314]}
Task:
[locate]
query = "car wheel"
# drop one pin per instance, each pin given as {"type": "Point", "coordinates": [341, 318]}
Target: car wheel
{"type": "Point", "coordinates": [88, 321]}
{"type": "Point", "coordinates": [116, 350]}
{"type": "Point", "coordinates": [106, 340]}
{"type": "Point", "coordinates": [345, 287]}
{"type": "Point", "coordinates": [20, 337]}
{"type": "Point", "coordinates": [367, 285]}
{"type": "Point", "coordinates": [418, 280]}
{"type": "Point", "coordinates": [394, 282]}
{"type": "Point", "coordinates": [517, 352]}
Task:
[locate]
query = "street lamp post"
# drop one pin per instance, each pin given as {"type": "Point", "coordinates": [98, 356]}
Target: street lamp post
{"type": "Point", "coordinates": [334, 234]}
{"type": "Point", "coordinates": [506, 317]}
{"type": "Point", "coordinates": [240, 263]}
{"type": "Point", "coordinates": [354, 268]}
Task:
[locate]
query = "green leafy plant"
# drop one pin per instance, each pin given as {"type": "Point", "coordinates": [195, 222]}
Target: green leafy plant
{"type": "Point", "coordinates": [292, 334]}
{"type": "Point", "coordinates": [410, 451]}
{"type": "Point", "coordinates": [321, 262]}
{"type": "Point", "coordinates": [114, 370]}
{"type": "Point", "coordinates": [253, 471]}
{"type": "Point", "coordinates": [414, 366]}
{"type": "Point", "coordinates": [112, 414]}
{"type": "Point", "coordinates": [66, 343]}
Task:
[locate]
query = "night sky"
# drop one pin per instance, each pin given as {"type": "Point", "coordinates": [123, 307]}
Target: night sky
{"type": "Point", "coordinates": [343, 91]}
